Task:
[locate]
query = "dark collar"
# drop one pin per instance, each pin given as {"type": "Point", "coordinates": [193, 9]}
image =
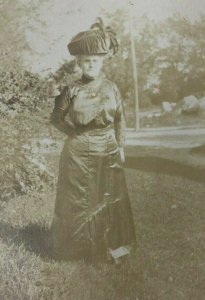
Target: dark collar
{"type": "Point", "coordinates": [86, 80]}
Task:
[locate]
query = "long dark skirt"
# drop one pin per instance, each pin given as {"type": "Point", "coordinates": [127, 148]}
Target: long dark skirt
{"type": "Point", "coordinates": [92, 210]}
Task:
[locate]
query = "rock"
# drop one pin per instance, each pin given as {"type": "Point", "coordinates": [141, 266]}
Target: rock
{"type": "Point", "coordinates": [190, 105]}
{"type": "Point", "coordinates": [157, 115]}
{"type": "Point", "coordinates": [167, 107]}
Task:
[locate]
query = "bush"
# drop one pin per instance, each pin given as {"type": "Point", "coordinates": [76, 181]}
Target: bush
{"type": "Point", "coordinates": [21, 90]}
{"type": "Point", "coordinates": [18, 172]}
{"type": "Point", "coordinates": [22, 94]}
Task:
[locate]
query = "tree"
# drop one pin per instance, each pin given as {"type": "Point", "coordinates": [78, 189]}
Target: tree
{"type": "Point", "coordinates": [170, 58]}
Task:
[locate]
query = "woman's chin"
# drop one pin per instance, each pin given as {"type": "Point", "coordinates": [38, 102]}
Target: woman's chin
{"type": "Point", "coordinates": [91, 75]}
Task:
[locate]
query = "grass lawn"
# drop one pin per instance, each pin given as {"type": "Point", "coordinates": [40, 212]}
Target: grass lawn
{"type": "Point", "coordinates": [169, 262]}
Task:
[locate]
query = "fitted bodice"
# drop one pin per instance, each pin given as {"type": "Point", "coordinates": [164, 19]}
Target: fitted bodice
{"type": "Point", "coordinates": [97, 103]}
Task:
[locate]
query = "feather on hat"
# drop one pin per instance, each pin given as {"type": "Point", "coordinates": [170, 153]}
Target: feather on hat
{"type": "Point", "coordinates": [97, 40]}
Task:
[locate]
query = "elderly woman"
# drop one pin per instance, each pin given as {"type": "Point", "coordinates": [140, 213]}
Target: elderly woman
{"type": "Point", "coordinates": [92, 217]}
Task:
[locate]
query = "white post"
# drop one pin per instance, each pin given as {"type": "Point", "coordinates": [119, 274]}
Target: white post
{"type": "Point", "coordinates": [134, 67]}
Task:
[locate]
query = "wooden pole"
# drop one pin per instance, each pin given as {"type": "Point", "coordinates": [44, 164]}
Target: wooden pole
{"type": "Point", "coordinates": [134, 67]}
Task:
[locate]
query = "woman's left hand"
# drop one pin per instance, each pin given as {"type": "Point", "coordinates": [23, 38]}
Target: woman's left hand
{"type": "Point", "coordinates": [122, 154]}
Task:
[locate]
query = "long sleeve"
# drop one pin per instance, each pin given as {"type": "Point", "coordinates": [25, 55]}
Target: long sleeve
{"type": "Point", "coordinates": [119, 121]}
{"type": "Point", "coordinates": [60, 110]}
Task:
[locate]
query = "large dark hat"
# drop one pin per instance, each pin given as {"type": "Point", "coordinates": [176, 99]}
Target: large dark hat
{"type": "Point", "coordinates": [97, 40]}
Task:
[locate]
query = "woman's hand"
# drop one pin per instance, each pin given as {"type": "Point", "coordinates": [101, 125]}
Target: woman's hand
{"type": "Point", "coordinates": [122, 154]}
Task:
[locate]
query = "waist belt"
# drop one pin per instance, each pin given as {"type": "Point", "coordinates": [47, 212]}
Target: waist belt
{"type": "Point", "coordinates": [94, 130]}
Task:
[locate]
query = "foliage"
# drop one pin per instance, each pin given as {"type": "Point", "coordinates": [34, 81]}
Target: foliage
{"type": "Point", "coordinates": [180, 59]}
{"type": "Point", "coordinates": [68, 72]}
{"type": "Point", "coordinates": [21, 90]}
{"type": "Point", "coordinates": [170, 58]}
{"type": "Point", "coordinates": [18, 173]}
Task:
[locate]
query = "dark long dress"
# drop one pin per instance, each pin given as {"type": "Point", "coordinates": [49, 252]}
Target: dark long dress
{"type": "Point", "coordinates": [92, 210]}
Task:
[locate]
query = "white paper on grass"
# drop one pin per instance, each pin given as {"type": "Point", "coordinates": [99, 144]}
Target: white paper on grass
{"type": "Point", "coordinates": [119, 252]}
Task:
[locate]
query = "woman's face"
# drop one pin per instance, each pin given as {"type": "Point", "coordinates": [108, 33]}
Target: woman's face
{"type": "Point", "coordinates": [91, 65]}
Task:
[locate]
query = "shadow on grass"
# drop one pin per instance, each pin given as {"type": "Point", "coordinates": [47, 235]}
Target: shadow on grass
{"type": "Point", "coordinates": [34, 237]}
{"type": "Point", "coordinates": [200, 150]}
{"type": "Point", "coordinates": [165, 166]}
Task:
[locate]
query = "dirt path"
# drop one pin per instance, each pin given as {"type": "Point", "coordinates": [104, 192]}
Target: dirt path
{"type": "Point", "coordinates": [166, 137]}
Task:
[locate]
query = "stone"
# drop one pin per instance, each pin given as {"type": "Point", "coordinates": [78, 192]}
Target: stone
{"type": "Point", "coordinates": [190, 105]}
{"type": "Point", "coordinates": [167, 107]}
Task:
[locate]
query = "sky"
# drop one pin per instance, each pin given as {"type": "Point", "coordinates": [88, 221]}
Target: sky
{"type": "Point", "coordinates": [61, 20]}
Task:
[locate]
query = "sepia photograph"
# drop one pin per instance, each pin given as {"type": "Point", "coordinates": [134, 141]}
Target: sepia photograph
{"type": "Point", "coordinates": [102, 165]}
